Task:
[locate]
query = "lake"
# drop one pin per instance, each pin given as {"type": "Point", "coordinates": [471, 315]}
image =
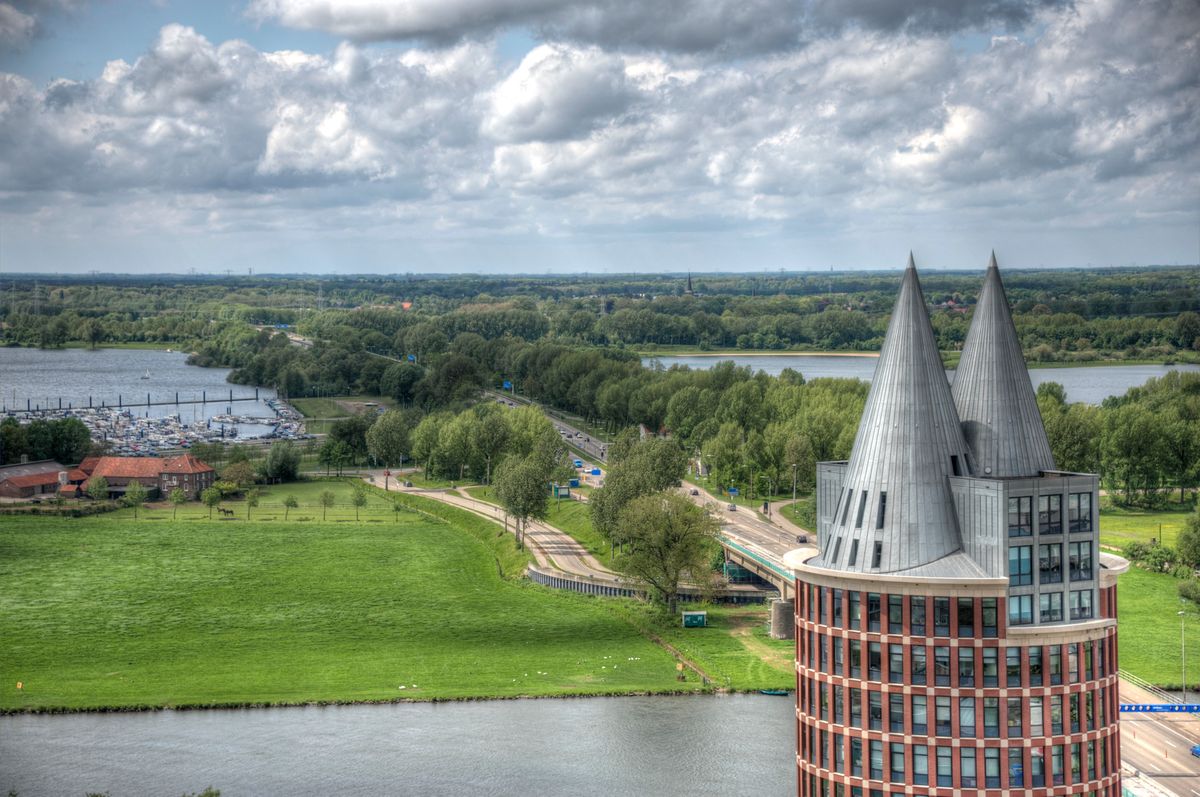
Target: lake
{"type": "Point", "coordinates": [1090, 384]}
{"type": "Point", "coordinates": [43, 376]}
{"type": "Point", "coordinates": [694, 745]}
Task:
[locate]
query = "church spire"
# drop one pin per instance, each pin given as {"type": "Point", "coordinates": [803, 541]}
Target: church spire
{"type": "Point", "coordinates": [895, 510]}
{"type": "Point", "coordinates": [993, 394]}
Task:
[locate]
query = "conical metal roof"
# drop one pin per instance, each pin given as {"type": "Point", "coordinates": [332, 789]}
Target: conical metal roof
{"type": "Point", "coordinates": [896, 511]}
{"type": "Point", "coordinates": [993, 394]}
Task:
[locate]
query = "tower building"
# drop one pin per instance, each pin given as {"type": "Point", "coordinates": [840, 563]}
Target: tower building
{"type": "Point", "coordinates": [956, 625]}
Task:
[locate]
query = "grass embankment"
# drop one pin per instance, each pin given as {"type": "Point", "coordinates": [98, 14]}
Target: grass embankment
{"type": "Point", "coordinates": [107, 612]}
{"type": "Point", "coordinates": [1120, 526]}
{"type": "Point", "coordinates": [1147, 606]}
{"type": "Point", "coordinates": [567, 515]}
{"type": "Point", "coordinates": [320, 413]}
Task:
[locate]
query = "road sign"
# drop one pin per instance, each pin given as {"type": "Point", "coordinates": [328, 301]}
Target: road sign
{"type": "Point", "coordinates": [507, 385]}
{"type": "Point", "coordinates": [412, 358]}
{"type": "Point", "coordinates": [733, 491]}
{"type": "Point", "coordinates": [695, 619]}
{"type": "Point", "coordinates": [1160, 708]}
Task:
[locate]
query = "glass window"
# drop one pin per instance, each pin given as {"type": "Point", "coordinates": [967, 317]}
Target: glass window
{"type": "Point", "coordinates": [876, 555]}
{"type": "Point", "coordinates": [876, 752]}
{"type": "Point", "coordinates": [855, 708]}
{"type": "Point", "coordinates": [838, 696]}
{"type": "Point", "coordinates": [837, 608]}
{"type": "Point", "coordinates": [991, 667]}
{"type": "Point", "coordinates": [990, 617]}
{"type": "Point", "coordinates": [839, 755]}
{"type": "Point", "coordinates": [896, 713]}
{"type": "Point", "coordinates": [966, 767]}
{"type": "Point", "coordinates": [1076, 769]}
{"type": "Point", "coordinates": [1016, 767]}
{"type": "Point", "coordinates": [1050, 514]}
{"type": "Point", "coordinates": [862, 505]}
{"type": "Point", "coordinates": [1050, 607]}
{"type": "Point", "coordinates": [896, 664]}
{"type": "Point", "coordinates": [895, 614]}
{"type": "Point", "coordinates": [1056, 765]}
{"type": "Point", "coordinates": [945, 766]}
{"type": "Point", "coordinates": [822, 690]}
{"type": "Point", "coordinates": [1012, 666]}
{"type": "Point", "coordinates": [839, 665]}
{"type": "Point", "coordinates": [1081, 561]}
{"type": "Point", "coordinates": [896, 770]}
{"type": "Point", "coordinates": [920, 765]}
{"type": "Point", "coordinates": [1014, 718]}
{"type": "Point", "coordinates": [874, 661]}
{"type": "Point", "coordinates": [855, 610]}
{"type": "Point", "coordinates": [991, 717]}
{"type": "Point", "coordinates": [1035, 666]}
{"type": "Point", "coordinates": [1020, 516]}
{"type": "Point", "coordinates": [1079, 511]}
{"type": "Point", "coordinates": [1050, 563]}
{"type": "Point", "coordinates": [966, 666]}
{"type": "Point", "coordinates": [941, 616]}
{"type": "Point", "coordinates": [855, 756]}
{"type": "Point", "coordinates": [1020, 609]}
{"type": "Point", "coordinates": [882, 513]}
{"type": "Point", "coordinates": [1037, 767]}
{"type": "Point", "coordinates": [1073, 712]}
{"type": "Point", "coordinates": [824, 654]}
{"type": "Point", "coordinates": [966, 617]}
{"type": "Point", "coordinates": [1056, 671]}
{"type": "Point", "coordinates": [920, 714]}
{"type": "Point", "coordinates": [966, 716]}
{"type": "Point", "coordinates": [873, 609]}
{"type": "Point", "coordinates": [1036, 720]}
{"type": "Point", "coordinates": [991, 768]}
{"type": "Point", "coordinates": [917, 654]}
{"type": "Point", "coordinates": [1020, 565]}
{"type": "Point", "coordinates": [875, 709]}
{"type": "Point", "coordinates": [941, 716]}
{"type": "Point", "coordinates": [855, 658]}
{"type": "Point", "coordinates": [916, 610]}
{"type": "Point", "coordinates": [1073, 662]}
{"type": "Point", "coordinates": [941, 666]}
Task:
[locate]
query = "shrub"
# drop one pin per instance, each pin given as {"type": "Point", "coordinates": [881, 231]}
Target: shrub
{"type": "Point", "coordinates": [1190, 590]}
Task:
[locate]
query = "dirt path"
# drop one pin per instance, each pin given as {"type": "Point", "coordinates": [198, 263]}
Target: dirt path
{"type": "Point", "coordinates": [742, 629]}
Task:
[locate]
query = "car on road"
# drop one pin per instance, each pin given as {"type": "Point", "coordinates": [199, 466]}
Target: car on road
{"type": "Point", "coordinates": [801, 538]}
{"type": "Point", "coordinates": [1196, 750]}
{"type": "Point", "coordinates": [732, 507]}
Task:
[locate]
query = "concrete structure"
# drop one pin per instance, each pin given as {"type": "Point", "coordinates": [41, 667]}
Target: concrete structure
{"type": "Point", "coordinates": [956, 628]}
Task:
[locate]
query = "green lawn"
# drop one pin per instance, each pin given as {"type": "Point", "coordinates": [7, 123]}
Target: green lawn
{"type": "Point", "coordinates": [105, 611]}
{"type": "Point", "coordinates": [1120, 525]}
{"type": "Point", "coordinates": [1147, 606]}
{"type": "Point", "coordinates": [271, 507]}
{"type": "Point", "coordinates": [320, 413]}
{"type": "Point", "coordinates": [569, 516]}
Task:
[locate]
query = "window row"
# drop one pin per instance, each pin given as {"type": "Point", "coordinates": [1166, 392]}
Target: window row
{"type": "Point", "coordinates": [957, 617]}
{"type": "Point", "coordinates": [987, 767]}
{"type": "Point", "coordinates": [812, 785]}
{"type": "Point", "coordinates": [1049, 516]}
{"type": "Point", "coordinates": [1050, 563]}
{"type": "Point", "coordinates": [960, 717]}
{"type": "Point", "coordinates": [943, 665]}
{"type": "Point", "coordinates": [1049, 607]}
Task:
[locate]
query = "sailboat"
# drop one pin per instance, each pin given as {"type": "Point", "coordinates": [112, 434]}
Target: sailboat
{"type": "Point", "coordinates": [146, 375]}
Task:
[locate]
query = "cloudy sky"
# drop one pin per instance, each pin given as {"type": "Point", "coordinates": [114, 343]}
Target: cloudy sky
{"type": "Point", "coordinates": [596, 135]}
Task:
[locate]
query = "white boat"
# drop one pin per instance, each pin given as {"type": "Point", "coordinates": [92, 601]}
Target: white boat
{"type": "Point", "coordinates": [146, 375]}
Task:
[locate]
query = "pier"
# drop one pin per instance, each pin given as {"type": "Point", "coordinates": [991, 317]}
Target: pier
{"type": "Point", "coordinates": [31, 408]}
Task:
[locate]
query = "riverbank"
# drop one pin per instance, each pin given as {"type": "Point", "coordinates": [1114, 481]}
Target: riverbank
{"type": "Point", "coordinates": [424, 604]}
{"type": "Point", "coordinates": [949, 357]}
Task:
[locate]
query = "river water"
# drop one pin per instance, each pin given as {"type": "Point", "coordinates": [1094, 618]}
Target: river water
{"type": "Point", "coordinates": [695, 745]}
{"type": "Point", "coordinates": [43, 376]}
{"type": "Point", "coordinates": [1090, 384]}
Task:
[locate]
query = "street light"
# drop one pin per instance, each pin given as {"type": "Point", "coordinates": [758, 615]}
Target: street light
{"type": "Point", "coordinates": [1182, 656]}
{"type": "Point", "coordinates": [794, 482]}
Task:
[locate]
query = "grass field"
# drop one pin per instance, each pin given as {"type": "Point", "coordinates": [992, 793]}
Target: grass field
{"type": "Point", "coordinates": [320, 413]}
{"type": "Point", "coordinates": [1120, 526]}
{"type": "Point", "coordinates": [104, 612]}
{"type": "Point", "coordinates": [1147, 606]}
{"type": "Point", "coordinates": [569, 516]}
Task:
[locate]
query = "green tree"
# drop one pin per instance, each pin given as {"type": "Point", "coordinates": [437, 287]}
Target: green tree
{"type": "Point", "coordinates": [359, 499]}
{"type": "Point", "coordinates": [1188, 544]}
{"type": "Point", "coordinates": [649, 466]}
{"type": "Point", "coordinates": [327, 499]}
{"type": "Point", "coordinates": [334, 454]}
{"type": "Point", "coordinates": [135, 495]}
{"type": "Point", "coordinates": [491, 436]}
{"type": "Point", "coordinates": [669, 538]}
{"type": "Point", "coordinates": [240, 473]}
{"type": "Point", "coordinates": [252, 498]}
{"type": "Point", "coordinates": [283, 462]}
{"type": "Point", "coordinates": [522, 487]}
{"type": "Point", "coordinates": [211, 499]}
{"type": "Point", "coordinates": [289, 503]}
{"type": "Point", "coordinates": [178, 496]}
{"type": "Point", "coordinates": [387, 439]}
{"type": "Point", "coordinates": [97, 488]}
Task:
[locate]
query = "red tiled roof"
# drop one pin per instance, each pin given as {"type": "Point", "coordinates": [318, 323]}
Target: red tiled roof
{"type": "Point", "coordinates": [89, 464]}
{"type": "Point", "coordinates": [32, 480]}
{"type": "Point", "coordinates": [185, 463]}
{"type": "Point", "coordinates": [128, 467]}
{"type": "Point", "coordinates": [76, 475]}
{"type": "Point", "coordinates": [69, 489]}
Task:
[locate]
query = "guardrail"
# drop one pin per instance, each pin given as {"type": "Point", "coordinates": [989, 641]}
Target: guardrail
{"type": "Point", "coordinates": [1142, 683]}
{"type": "Point", "coordinates": [762, 560]}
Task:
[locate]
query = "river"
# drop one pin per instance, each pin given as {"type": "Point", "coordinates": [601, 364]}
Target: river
{"type": "Point", "coordinates": [694, 745]}
{"type": "Point", "coordinates": [1090, 384]}
{"type": "Point", "coordinates": [42, 377]}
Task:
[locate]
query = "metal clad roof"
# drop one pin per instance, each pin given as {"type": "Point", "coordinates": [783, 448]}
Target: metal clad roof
{"type": "Point", "coordinates": [993, 393]}
{"type": "Point", "coordinates": [908, 435]}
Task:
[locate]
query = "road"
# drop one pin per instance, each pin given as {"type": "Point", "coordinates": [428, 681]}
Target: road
{"type": "Point", "coordinates": [1159, 745]}
{"type": "Point", "coordinates": [580, 439]}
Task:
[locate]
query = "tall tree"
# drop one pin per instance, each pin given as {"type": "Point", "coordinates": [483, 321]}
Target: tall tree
{"type": "Point", "coordinates": [327, 499]}
{"type": "Point", "coordinates": [523, 489]}
{"type": "Point", "coordinates": [283, 462]}
{"type": "Point", "coordinates": [97, 488]}
{"type": "Point", "coordinates": [178, 496]}
{"type": "Point", "coordinates": [135, 495]}
{"type": "Point", "coordinates": [211, 499]}
{"type": "Point", "coordinates": [387, 439]}
{"type": "Point", "coordinates": [669, 538]}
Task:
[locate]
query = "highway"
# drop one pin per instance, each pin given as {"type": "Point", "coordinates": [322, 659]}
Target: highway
{"type": "Point", "coordinates": [1159, 745]}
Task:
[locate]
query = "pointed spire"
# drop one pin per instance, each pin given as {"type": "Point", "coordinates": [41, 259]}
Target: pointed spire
{"type": "Point", "coordinates": [912, 266]}
{"type": "Point", "coordinates": [993, 394]}
{"type": "Point", "coordinates": [896, 492]}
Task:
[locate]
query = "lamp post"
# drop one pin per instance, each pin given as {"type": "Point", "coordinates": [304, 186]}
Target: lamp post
{"type": "Point", "coordinates": [1182, 657]}
{"type": "Point", "coordinates": [794, 482]}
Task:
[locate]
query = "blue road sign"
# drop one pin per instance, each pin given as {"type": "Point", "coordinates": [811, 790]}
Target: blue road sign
{"type": "Point", "coordinates": [595, 471]}
{"type": "Point", "coordinates": [1160, 708]}
{"type": "Point", "coordinates": [733, 491]}
{"type": "Point", "coordinates": [412, 358]}
{"type": "Point", "coordinates": [507, 385]}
